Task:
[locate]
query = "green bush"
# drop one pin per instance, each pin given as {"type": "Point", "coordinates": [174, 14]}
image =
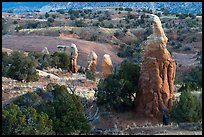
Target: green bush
{"type": "Point", "coordinates": [20, 67]}
{"type": "Point", "coordinates": [60, 60]}
{"type": "Point", "coordinates": [188, 109]}
{"type": "Point", "coordinates": [90, 75]}
{"type": "Point", "coordinates": [66, 112]}
{"type": "Point", "coordinates": [126, 51]}
{"type": "Point", "coordinates": [61, 11]}
{"type": "Point", "coordinates": [26, 121]}
{"type": "Point", "coordinates": [46, 15]}
{"type": "Point", "coordinates": [50, 20]}
{"type": "Point", "coordinates": [117, 91]}
{"type": "Point", "coordinates": [188, 86]}
{"type": "Point", "coordinates": [80, 23]}
{"type": "Point", "coordinates": [57, 59]}
{"type": "Point", "coordinates": [93, 37]}
{"type": "Point", "coordinates": [63, 108]}
{"type": "Point", "coordinates": [195, 76]}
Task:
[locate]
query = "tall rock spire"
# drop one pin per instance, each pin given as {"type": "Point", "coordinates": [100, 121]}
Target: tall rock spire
{"type": "Point", "coordinates": [158, 69]}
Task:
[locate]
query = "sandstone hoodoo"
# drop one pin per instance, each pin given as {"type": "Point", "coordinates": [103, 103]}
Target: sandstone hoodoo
{"type": "Point", "coordinates": [158, 69]}
{"type": "Point", "coordinates": [92, 61]}
{"type": "Point", "coordinates": [45, 51]}
{"type": "Point", "coordinates": [106, 66]}
{"type": "Point", "coordinates": [74, 56]}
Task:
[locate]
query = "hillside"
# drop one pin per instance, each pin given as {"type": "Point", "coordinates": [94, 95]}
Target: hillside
{"type": "Point", "coordinates": [125, 31]}
{"type": "Point", "coordinates": [183, 7]}
{"type": "Point", "coordinates": [37, 43]}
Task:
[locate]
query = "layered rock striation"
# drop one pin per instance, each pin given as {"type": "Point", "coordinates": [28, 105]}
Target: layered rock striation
{"type": "Point", "coordinates": [158, 69]}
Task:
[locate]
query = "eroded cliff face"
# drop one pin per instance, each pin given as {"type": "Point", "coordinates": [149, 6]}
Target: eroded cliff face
{"type": "Point", "coordinates": [158, 69]}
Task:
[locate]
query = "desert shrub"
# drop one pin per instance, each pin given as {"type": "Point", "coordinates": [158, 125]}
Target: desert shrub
{"type": "Point", "coordinates": [195, 76]}
{"type": "Point", "coordinates": [125, 51]}
{"type": "Point", "coordinates": [44, 60]}
{"type": "Point", "coordinates": [18, 28]}
{"type": "Point", "coordinates": [47, 15]}
{"type": "Point", "coordinates": [32, 25]}
{"type": "Point", "coordinates": [57, 59]}
{"type": "Point", "coordinates": [199, 57]}
{"type": "Point", "coordinates": [50, 20]}
{"type": "Point", "coordinates": [60, 60]}
{"type": "Point", "coordinates": [20, 67]}
{"type": "Point", "coordinates": [93, 37]}
{"type": "Point", "coordinates": [5, 63]}
{"type": "Point", "coordinates": [121, 8]}
{"type": "Point", "coordinates": [188, 86]}
{"type": "Point", "coordinates": [80, 23]}
{"type": "Point", "coordinates": [111, 26]}
{"type": "Point", "coordinates": [130, 16]}
{"type": "Point", "coordinates": [15, 22]}
{"type": "Point", "coordinates": [35, 54]}
{"type": "Point", "coordinates": [119, 33]}
{"type": "Point", "coordinates": [61, 11]}
{"type": "Point", "coordinates": [188, 109]}
{"type": "Point", "coordinates": [128, 9]}
{"type": "Point", "coordinates": [26, 121]}
{"type": "Point", "coordinates": [54, 16]}
{"type": "Point", "coordinates": [100, 19]}
{"type": "Point", "coordinates": [118, 90]}
{"type": "Point", "coordinates": [30, 99]}
{"type": "Point", "coordinates": [178, 46]}
{"type": "Point", "coordinates": [4, 55]}
{"type": "Point", "coordinates": [66, 111]}
{"type": "Point", "coordinates": [63, 108]}
{"type": "Point", "coordinates": [90, 75]}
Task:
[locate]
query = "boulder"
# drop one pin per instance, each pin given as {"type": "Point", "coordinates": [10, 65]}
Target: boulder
{"type": "Point", "coordinates": [92, 61]}
{"type": "Point", "coordinates": [106, 66]}
{"type": "Point", "coordinates": [158, 69]}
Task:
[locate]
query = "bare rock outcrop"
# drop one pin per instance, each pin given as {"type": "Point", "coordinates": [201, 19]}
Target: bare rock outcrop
{"type": "Point", "coordinates": [158, 69]}
{"type": "Point", "coordinates": [92, 61]}
{"type": "Point", "coordinates": [73, 58]}
{"type": "Point", "coordinates": [106, 65]}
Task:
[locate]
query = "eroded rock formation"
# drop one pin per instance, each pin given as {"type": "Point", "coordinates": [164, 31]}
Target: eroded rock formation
{"type": "Point", "coordinates": [92, 61]}
{"type": "Point", "coordinates": [45, 51]}
{"type": "Point", "coordinates": [106, 65]}
{"type": "Point", "coordinates": [158, 69]}
{"type": "Point", "coordinates": [73, 58]}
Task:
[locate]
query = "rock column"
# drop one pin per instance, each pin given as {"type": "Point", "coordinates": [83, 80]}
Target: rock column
{"type": "Point", "coordinates": [158, 69]}
{"type": "Point", "coordinates": [106, 66]}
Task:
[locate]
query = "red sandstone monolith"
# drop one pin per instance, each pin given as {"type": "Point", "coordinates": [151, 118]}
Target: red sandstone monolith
{"type": "Point", "coordinates": [158, 69]}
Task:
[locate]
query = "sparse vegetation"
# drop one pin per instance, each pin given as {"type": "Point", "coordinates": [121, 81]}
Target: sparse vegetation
{"type": "Point", "coordinates": [53, 117]}
{"type": "Point", "coordinates": [188, 109]}
{"type": "Point", "coordinates": [126, 28]}
{"type": "Point", "coordinates": [19, 67]}
{"type": "Point", "coordinates": [117, 91]}
{"type": "Point", "coordinates": [90, 75]}
{"type": "Point", "coordinates": [195, 76]}
{"type": "Point", "coordinates": [80, 23]}
{"type": "Point", "coordinates": [25, 121]}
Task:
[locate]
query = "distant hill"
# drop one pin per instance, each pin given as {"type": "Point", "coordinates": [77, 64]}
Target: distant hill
{"type": "Point", "coordinates": [183, 7]}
